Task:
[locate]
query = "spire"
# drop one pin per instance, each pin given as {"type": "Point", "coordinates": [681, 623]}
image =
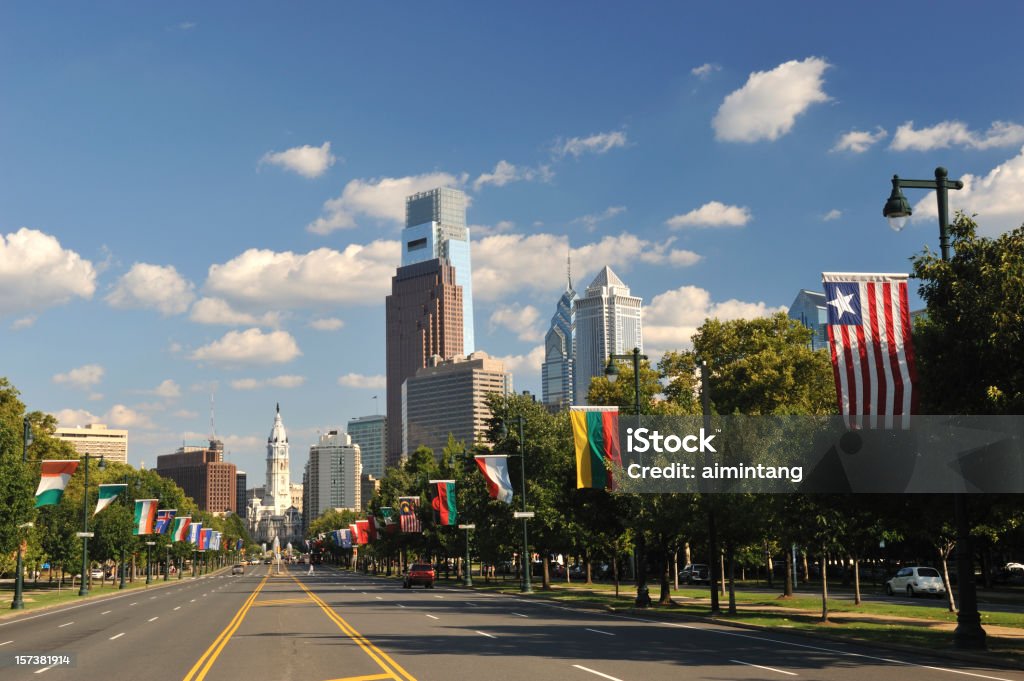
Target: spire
{"type": "Point", "coordinates": [278, 407]}
{"type": "Point", "coordinates": [568, 266]}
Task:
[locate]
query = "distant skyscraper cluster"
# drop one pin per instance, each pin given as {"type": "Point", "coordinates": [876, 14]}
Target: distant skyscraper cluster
{"type": "Point", "coordinates": [584, 332]}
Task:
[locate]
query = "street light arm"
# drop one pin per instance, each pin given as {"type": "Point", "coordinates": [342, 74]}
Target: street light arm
{"type": "Point", "coordinates": [928, 184]}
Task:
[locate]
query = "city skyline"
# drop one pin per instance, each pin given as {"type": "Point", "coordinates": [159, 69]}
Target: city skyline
{"type": "Point", "coordinates": [194, 204]}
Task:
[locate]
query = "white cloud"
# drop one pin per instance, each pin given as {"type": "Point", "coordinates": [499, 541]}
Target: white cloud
{"type": "Point", "coordinates": [152, 287]}
{"type": "Point", "coordinates": [95, 397]}
{"type": "Point", "coordinates": [955, 133]}
{"type": "Point", "coordinates": [599, 143]}
{"type": "Point", "coordinates": [704, 71]}
{"type": "Point", "coordinates": [119, 416]}
{"type": "Point", "coordinates": [833, 214]}
{"type": "Point", "coordinates": [219, 311]}
{"type": "Point", "coordinates": [525, 366]}
{"type": "Point", "coordinates": [186, 25]}
{"type": "Point", "coordinates": [168, 389]}
{"type": "Point", "coordinates": [766, 107]}
{"type": "Point", "coordinates": [84, 377]}
{"type": "Point", "coordinates": [859, 141]}
{"type": "Point", "coordinates": [23, 323]}
{"type": "Point", "coordinates": [305, 160]}
{"type": "Point", "coordinates": [69, 418]}
{"type": "Point", "coordinates": [361, 381]}
{"type": "Point", "coordinates": [671, 318]}
{"type": "Point", "coordinates": [499, 260]}
{"type": "Point", "coordinates": [712, 214]}
{"type": "Point", "coordinates": [358, 275]}
{"type": "Point", "coordinates": [287, 381]}
{"type": "Point", "coordinates": [251, 346]}
{"type": "Point", "coordinates": [232, 443]}
{"type": "Point", "coordinates": [997, 198]}
{"type": "Point", "coordinates": [378, 198]}
{"type": "Point", "coordinates": [505, 172]}
{"type": "Point", "coordinates": [36, 272]}
{"type": "Point", "coordinates": [519, 319]}
{"type": "Point", "coordinates": [186, 414]}
{"type": "Point", "coordinates": [327, 324]}
{"type": "Point", "coordinates": [500, 227]}
{"type": "Point", "coordinates": [593, 219]}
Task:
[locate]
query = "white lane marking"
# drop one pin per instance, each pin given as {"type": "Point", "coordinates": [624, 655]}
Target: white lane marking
{"type": "Point", "coordinates": [135, 603]}
{"type": "Point", "coordinates": [66, 624]}
{"type": "Point", "coordinates": [592, 671]}
{"type": "Point", "coordinates": [471, 603]}
{"type": "Point", "coordinates": [438, 596]}
{"type": "Point", "coordinates": [598, 631]}
{"type": "Point", "coordinates": [484, 633]}
{"type": "Point", "coordinates": [433, 618]}
{"type": "Point", "coordinates": [117, 636]}
{"type": "Point", "coordinates": [771, 669]}
{"type": "Point", "coordinates": [519, 614]}
{"type": "Point", "coordinates": [6, 642]}
{"type": "Point", "coordinates": [178, 608]}
{"type": "Point", "coordinates": [192, 601]}
{"type": "Point", "coordinates": [378, 598]}
{"type": "Point", "coordinates": [154, 618]}
{"type": "Point", "coordinates": [40, 671]}
{"type": "Point", "coordinates": [363, 592]}
{"type": "Point", "coordinates": [152, 597]}
{"type": "Point", "coordinates": [399, 605]}
{"type": "Point", "coordinates": [105, 612]}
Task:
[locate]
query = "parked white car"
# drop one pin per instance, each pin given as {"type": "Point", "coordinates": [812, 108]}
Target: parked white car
{"type": "Point", "coordinates": [916, 580]}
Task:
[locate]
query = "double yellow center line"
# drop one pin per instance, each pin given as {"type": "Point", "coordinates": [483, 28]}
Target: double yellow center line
{"type": "Point", "coordinates": [202, 666]}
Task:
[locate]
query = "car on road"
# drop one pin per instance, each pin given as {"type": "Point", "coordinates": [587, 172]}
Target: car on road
{"type": "Point", "coordinates": [238, 569]}
{"type": "Point", "coordinates": [916, 580]}
{"type": "Point", "coordinates": [419, 573]}
{"type": "Point", "coordinates": [96, 573]}
{"type": "Point", "coordinates": [695, 573]}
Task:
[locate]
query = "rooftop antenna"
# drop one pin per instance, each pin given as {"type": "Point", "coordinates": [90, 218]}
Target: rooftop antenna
{"type": "Point", "coordinates": [213, 427]}
{"type": "Point", "coordinates": [568, 263]}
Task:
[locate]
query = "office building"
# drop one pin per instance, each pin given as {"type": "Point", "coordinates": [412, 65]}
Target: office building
{"type": "Point", "coordinates": [333, 475]}
{"type": "Point", "coordinates": [202, 474]}
{"type": "Point", "coordinates": [240, 478]}
{"type": "Point", "coordinates": [369, 484]}
{"type": "Point", "coordinates": [556, 373]}
{"type": "Point", "coordinates": [435, 228]}
{"type": "Point", "coordinates": [96, 439]}
{"type": "Point", "coordinates": [608, 321]}
{"type": "Point", "coordinates": [423, 318]}
{"type": "Point", "coordinates": [370, 434]}
{"type": "Point", "coordinates": [809, 309]}
{"type": "Point", "coordinates": [447, 397]}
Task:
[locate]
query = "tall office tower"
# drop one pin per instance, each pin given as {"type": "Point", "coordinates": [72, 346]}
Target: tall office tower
{"type": "Point", "coordinates": [607, 322]}
{"type": "Point", "coordinates": [203, 475]}
{"type": "Point", "coordinates": [369, 433]}
{"type": "Point", "coordinates": [435, 227]}
{"type": "Point", "coordinates": [333, 475]}
{"type": "Point", "coordinates": [448, 397]}
{"type": "Point", "coordinates": [98, 440]}
{"type": "Point", "coordinates": [809, 309]}
{"type": "Point", "coordinates": [424, 318]}
{"type": "Point", "coordinates": [279, 496]}
{"type": "Point", "coordinates": [240, 479]}
{"type": "Point", "coordinates": [556, 374]}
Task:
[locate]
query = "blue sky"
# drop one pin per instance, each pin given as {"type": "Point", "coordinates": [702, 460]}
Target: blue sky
{"type": "Point", "coordinates": [198, 198]}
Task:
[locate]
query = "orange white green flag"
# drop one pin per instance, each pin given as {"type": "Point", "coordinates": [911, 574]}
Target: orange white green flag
{"type": "Point", "coordinates": [595, 432]}
{"type": "Point", "coordinates": [55, 476]}
{"type": "Point", "coordinates": [145, 515]}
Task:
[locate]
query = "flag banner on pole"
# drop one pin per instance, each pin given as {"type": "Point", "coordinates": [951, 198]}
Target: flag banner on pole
{"type": "Point", "coordinates": [362, 532]}
{"type": "Point", "coordinates": [872, 352]}
{"type": "Point", "coordinates": [495, 470]}
{"type": "Point", "coordinates": [215, 541]}
{"type": "Point", "coordinates": [164, 520]}
{"type": "Point", "coordinates": [595, 432]}
{"type": "Point", "coordinates": [204, 538]}
{"type": "Point", "coordinates": [336, 537]}
{"type": "Point", "coordinates": [54, 478]}
{"type": "Point", "coordinates": [240, 543]}
{"type": "Point", "coordinates": [145, 515]}
{"type": "Point", "coordinates": [107, 495]}
{"type": "Point", "coordinates": [181, 527]}
{"type": "Point", "coordinates": [353, 531]}
{"type": "Point", "coordinates": [346, 538]}
{"type": "Point", "coordinates": [408, 514]}
{"type": "Point", "coordinates": [371, 523]}
{"type": "Point", "coordinates": [388, 520]}
{"type": "Point", "coordinates": [442, 493]}
{"type": "Point", "coordinates": [195, 530]}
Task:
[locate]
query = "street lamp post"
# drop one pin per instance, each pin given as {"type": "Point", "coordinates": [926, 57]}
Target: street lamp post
{"type": "Point", "coordinates": [149, 561]}
{"type": "Point", "coordinates": [83, 589]}
{"type": "Point", "coordinates": [968, 634]}
{"type": "Point", "coordinates": [611, 372]}
{"type": "Point", "coordinates": [19, 603]}
{"type": "Point", "coordinates": [121, 565]}
{"type": "Point", "coordinates": [525, 515]}
{"type": "Point", "coordinates": [468, 574]}
{"type": "Point", "coordinates": [167, 562]}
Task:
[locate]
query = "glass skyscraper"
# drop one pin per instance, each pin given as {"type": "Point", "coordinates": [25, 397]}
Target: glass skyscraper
{"type": "Point", "coordinates": [435, 227]}
{"type": "Point", "coordinates": [560, 352]}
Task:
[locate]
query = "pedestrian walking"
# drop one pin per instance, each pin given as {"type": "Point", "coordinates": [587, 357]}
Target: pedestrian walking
{"type": "Point", "coordinates": [310, 568]}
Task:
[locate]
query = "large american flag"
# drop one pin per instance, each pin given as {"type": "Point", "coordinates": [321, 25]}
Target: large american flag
{"type": "Point", "coordinates": [872, 352]}
{"type": "Point", "coordinates": [407, 514]}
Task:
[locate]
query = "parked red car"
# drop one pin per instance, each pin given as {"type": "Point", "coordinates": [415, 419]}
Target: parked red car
{"type": "Point", "coordinates": [419, 573]}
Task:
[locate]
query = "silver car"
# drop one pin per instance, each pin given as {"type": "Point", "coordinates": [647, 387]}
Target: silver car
{"type": "Point", "coordinates": [916, 580]}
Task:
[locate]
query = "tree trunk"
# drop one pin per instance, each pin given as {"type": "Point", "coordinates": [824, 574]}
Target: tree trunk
{"type": "Point", "coordinates": [589, 562]}
{"type": "Point", "coordinates": [807, 571]}
{"type": "Point", "coordinates": [787, 590]}
{"type": "Point", "coordinates": [721, 563]}
{"type": "Point", "coordinates": [665, 597]}
{"type": "Point", "coordinates": [615, 573]}
{"type": "Point", "coordinates": [547, 572]}
{"type": "Point", "coordinates": [824, 588]}
{"type": "Point", "coordinates": [732, 580]}
{"type": "Point", "coordinates": [943, 556]}
{"type": "Point", "coordinates": [675, 569]}
{"type": "Point", "coordinates": [856, 580]}
{"type": "Point", "coordinates": [687, 559]}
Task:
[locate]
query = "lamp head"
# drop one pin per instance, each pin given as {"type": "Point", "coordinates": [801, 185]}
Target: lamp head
{"type": "Point", "coordinates": [611, 372]}
{"type": "Point", "coordinates": [897, 208]}
{"type": "Point", "coordinates": [103, 463]}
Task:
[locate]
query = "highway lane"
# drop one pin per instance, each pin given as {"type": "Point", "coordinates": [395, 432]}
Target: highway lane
{"type": "Point", "coordinates": [505, 637]}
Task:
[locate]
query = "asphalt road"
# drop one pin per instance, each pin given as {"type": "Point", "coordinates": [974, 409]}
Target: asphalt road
{"type": "Point", "coordinates": [337, 626]}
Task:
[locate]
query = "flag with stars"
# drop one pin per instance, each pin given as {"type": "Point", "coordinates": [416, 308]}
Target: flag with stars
{"type": "Point", "coordinates": [872, 353]}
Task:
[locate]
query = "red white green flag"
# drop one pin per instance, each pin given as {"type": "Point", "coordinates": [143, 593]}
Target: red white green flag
{"type": "Point", "coordinates": [107, 495]}
{"type": "Point", "coordinates": [55, 476]}
{"type": "Point", "coordinates": [180, 531]}
{"type": "Point", "coordinates": [145, 515]}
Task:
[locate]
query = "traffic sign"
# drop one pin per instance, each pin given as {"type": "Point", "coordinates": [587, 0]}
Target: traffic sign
{"type": "Point", "coordinates": [467, 527]}
{"type": "Point", "coordinates": [523, 514]}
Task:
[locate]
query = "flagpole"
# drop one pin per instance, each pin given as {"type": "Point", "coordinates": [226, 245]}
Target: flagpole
{"type": "Point", "coordinates": [83, 588]}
